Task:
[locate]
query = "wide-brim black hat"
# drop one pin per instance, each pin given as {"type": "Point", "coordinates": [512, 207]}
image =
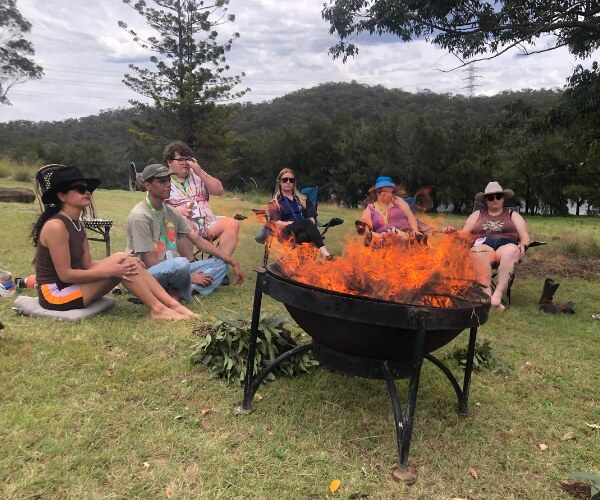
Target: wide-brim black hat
{"type": "Point", "coordinates": [57, 180]}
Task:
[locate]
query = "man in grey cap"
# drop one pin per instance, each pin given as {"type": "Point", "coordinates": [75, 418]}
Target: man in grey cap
{"type": "Point", "coordinates": [153, 229]}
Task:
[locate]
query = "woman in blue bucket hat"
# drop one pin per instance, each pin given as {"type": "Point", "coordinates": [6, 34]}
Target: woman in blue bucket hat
{"type": "Point", "coordinates": [386, 213]}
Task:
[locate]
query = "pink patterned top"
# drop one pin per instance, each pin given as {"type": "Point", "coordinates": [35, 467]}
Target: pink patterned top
{"type": "Point", "coordinates": [193, 190]}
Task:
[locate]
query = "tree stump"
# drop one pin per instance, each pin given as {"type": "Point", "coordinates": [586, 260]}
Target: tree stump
{"type": "Point", "coordinates": [18, 195]}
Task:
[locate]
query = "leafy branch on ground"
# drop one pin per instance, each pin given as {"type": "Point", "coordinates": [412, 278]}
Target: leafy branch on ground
{"type": "Point", "coordinates": [223, 348]}
{"type": "Point", "coordinates": [593, 478]}
{"type": "Point", "coordinates": [485, 357]}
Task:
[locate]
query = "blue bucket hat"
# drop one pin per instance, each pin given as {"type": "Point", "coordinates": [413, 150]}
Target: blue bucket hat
{"type": "Point", "coordinates": [384, 182]}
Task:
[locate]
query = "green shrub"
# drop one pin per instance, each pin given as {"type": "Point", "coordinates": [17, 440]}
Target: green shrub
{"type": "Point", "coordinates": [22, 175]}
{"type": "Point", "coordinates": [485, 357]}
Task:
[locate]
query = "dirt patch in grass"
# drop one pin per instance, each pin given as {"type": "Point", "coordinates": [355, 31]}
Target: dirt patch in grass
{"type": "Point", "coordinates": [553, 264]}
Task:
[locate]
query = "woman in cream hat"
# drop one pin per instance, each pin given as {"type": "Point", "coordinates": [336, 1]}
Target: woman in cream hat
{"type": "Point", "coordinates": [500, 238]}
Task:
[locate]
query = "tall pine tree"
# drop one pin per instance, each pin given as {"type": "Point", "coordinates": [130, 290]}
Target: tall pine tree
{"type": "Point", "coordinates": [190, 73]}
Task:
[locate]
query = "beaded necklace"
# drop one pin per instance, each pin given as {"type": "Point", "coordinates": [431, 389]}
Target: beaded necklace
{"type": "Point", "coordinates": [78, 229]}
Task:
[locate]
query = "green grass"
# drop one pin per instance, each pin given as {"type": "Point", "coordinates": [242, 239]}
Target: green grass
{"type": "Point", "coordinates": [112, 408]}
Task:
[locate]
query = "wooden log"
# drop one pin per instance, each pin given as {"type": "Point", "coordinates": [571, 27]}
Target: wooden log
{"type": "Point", "coordinates": [18, 195]}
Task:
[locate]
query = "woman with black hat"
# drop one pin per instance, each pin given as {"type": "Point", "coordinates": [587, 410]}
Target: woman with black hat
{"type": "Point", "coordinates": [67, 276]}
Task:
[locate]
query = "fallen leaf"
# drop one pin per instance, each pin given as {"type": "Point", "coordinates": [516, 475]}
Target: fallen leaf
{"type": "Point", "coordinates": [473, 473]}
{"type": "Point", "coordinates": [178, 417]}
{"type": "Point", "coordinates": [568, 436]}
{"type": "Point", "coordinates": [204, 411]}
{"type": "Point", "coordinates": [593, 426]}
{"type": "Point", "coordinates": [543, 446]}
{"type": "Point", "coordinates": [270, 432]}
{"type": "Point", "coordinates": [169, 491]}
{"type": "Point", "coordinates": [147, 465]}
{"type": "Point", "coordinates": [334, 485]}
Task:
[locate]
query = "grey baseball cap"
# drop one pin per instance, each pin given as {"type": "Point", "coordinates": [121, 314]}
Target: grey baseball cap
{"type": "Point", "coordinates": [155, 170]}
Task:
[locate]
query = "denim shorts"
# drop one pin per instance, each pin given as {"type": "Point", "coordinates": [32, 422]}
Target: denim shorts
{"type": "Point", "coordinates": [494, 243]}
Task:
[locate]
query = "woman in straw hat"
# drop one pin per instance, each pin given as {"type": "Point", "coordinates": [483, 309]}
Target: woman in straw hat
{"type": "Point", "coordinates": [67, 276]}
{"type": "Point", "coordinates": [501, 238]}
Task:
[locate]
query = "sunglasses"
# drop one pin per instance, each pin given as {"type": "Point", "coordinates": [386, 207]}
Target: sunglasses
{"type": "Point", "coordinates": [291, 180]}
{"type": "Point", "coordinates": [491, 197]}
{"type": "Point", "coordinates": [182, 161]}
{"type": "Point", "coordinates": [81, 189]}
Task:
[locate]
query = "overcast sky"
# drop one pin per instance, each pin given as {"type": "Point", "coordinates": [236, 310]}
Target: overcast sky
{"type": "Point", "coordinates": [282, 48]}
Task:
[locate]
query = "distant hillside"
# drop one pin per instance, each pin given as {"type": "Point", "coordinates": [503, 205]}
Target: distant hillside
{"type": "Point", "coordinates": [363, 101]}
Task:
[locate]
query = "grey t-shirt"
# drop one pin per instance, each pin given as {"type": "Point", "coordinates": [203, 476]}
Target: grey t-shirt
{"type": "Point", "coordinates": [149, 231]}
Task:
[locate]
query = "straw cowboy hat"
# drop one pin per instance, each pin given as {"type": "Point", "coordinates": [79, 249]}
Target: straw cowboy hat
{"type": "Point", "coordinates": [493, 188]}
{"type": "Point", "coordinates": [59, 179]}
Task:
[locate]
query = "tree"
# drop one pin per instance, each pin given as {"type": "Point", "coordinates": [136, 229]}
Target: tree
{"type": "Point", "coordinates": [16, 66]}
{"type": "Point", "coordinates": [469, 27]}
{"type": "Point", "coordinates": [190, 75]}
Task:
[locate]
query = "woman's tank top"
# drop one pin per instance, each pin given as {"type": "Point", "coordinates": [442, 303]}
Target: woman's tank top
{"type": "Point", "coordinates": [44, 267]}
{"type": "Point", "coordinates": [495, 226]}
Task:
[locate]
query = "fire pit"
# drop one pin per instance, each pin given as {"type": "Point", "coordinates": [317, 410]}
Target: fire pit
{"type": "Point", "coordinates": [369, 338]}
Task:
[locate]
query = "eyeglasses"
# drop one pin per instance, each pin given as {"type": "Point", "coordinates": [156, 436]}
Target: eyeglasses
{"type": "Point", "coordinates": [496, 196]}
{"type": "Point", "coordinates": [81, 189]}
{"type": "Point", "coordinates": [182, 161]}
{"type": "Point", "coordinates": [291, 180]}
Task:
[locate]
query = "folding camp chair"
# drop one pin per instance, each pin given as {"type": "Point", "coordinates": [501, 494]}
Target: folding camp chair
{"type": "Point", "coordinates": [90, 220]}
{"type": "Point", "coordinates": [312, 195]}
{"type": "Point", "coordinates": [264, 233]}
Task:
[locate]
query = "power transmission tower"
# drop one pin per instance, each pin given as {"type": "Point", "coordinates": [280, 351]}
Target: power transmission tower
{"type": "Point", "coordinates": [472, 76]}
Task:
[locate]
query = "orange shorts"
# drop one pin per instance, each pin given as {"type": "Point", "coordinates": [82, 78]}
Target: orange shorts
{"type": "Point", "coordinates": [53, 297]}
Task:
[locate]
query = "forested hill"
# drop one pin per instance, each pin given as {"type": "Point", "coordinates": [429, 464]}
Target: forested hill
{"type": "Point", "coordinates": [339, 135]}
{"type": "Point", "coordinates": [371, 102]}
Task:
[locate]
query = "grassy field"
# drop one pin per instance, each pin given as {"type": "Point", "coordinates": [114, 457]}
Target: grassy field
{"type": "Point", "coordinates": [112, 408]}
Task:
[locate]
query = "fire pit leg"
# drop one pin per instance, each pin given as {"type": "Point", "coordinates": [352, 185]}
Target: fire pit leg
{"type": "Point", "coordinates": [463, 402]}
{"type": "Point", "coordinates": [404, 426]}
{"type": "Point", "coordinates": [248, 394]}
{"type": "Point", "coordinates": [461, 394]}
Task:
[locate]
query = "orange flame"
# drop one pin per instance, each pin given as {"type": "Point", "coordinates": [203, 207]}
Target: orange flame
{"type": "Point", "coordinates": [400, 271]}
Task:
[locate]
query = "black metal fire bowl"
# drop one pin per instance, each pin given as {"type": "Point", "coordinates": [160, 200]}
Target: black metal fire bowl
{"type": "Point", "coordinates": [366, 327]}
{"type": "Point", "coordinates": [368, 338]}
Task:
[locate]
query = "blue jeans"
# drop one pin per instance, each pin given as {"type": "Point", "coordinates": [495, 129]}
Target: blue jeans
{"type": "Point", "coordinates": [175, 274]}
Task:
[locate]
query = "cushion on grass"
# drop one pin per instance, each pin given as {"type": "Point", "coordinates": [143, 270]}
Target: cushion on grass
{"type": "Point", "coordinates": [30, 306]}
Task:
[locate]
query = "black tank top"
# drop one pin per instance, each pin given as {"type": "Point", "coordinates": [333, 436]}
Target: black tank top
{"type": "Point", "coordinates": [45, 272]}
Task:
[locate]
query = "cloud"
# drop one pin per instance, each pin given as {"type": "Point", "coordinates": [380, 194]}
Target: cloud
{"type": "Point", "coordinates": [283, 47]}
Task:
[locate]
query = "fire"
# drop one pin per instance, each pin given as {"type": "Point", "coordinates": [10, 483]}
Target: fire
{"type": "Point", "coordinates": [399, 271]}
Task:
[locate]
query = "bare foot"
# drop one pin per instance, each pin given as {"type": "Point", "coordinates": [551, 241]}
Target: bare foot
{"type": "Point", "coordinates": [171, 316]}
{"type": "Point", "coordinates": [185, 311]}
{"type": "Point", "coordinates": [164, 313]}
{"type": "Point", "coordinates": [497, 302]}
{"type": "Point", "coordinates": [201, 279]}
